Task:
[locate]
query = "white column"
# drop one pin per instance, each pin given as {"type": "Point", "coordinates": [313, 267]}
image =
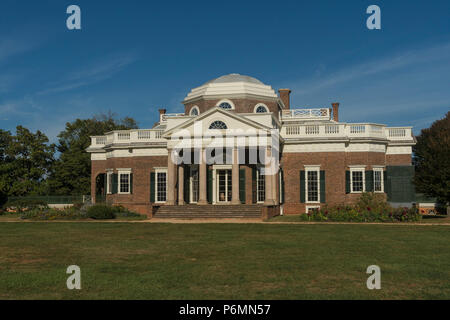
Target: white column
{"type": "Point", "coordinates": [202, 199]}
{"type": "Point", "coordinates": [268, 179]}
{"type": "Point", "coordinates": [180, 185]}
{"type": "Point", "coordinates": [235, 178]}
{"type": "Point", "coordinates": [171, 179]}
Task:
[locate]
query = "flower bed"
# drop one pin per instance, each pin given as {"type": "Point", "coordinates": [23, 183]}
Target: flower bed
{"type": "Point", "coordinates": [369, 208]}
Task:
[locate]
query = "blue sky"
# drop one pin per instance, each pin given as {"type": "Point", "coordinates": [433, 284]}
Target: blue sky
{"type": "Point", "coordinates": [134, 57]}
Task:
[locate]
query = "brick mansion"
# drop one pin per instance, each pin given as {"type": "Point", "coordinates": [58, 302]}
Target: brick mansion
{"type": "Point", "coordinates": [315, 159]}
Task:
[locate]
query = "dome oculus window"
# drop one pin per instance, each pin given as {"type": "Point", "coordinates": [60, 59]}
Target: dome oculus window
{"type": "Point", "coordinates": [261, 109]}
{"type": "Point", "coordinates": [226, 106]}
{"type": "Point", "coordinates": [218, 125]}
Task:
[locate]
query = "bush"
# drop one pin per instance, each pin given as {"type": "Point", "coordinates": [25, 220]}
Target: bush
{"type": "Point", "coordinates": [53, 214]}
{"type": "Point", "coordinates": [101, 211]}
{"type": "Point", "coordinates": [369, 208]}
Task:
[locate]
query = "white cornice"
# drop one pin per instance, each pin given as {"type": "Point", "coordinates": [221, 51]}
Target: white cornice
{"type": "Point", "coordinates": [214, 90]}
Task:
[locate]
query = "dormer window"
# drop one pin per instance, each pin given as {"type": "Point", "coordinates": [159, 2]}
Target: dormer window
{"type": "Point", "coordinates": [218, 125]}
{"type": "Point", "coordinates": [226, 106]}
{"type": "Point", "coordinates": [194, 111]}
{"type": "Point", "coordinates": [261, 109]}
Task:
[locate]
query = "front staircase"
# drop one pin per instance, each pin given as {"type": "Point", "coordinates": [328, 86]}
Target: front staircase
{"type": "Point", "coordinates": [209, 212]}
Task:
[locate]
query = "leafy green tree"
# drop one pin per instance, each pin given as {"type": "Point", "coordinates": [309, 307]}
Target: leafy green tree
{"type": "Point", "coordinates": [25, 162]}
{"type": "Point", "coordinates": [432, 160]}
{"type": "Point", "coordinates": [72, 171]}
{"type": "Point", "coordinates": [5, 160]}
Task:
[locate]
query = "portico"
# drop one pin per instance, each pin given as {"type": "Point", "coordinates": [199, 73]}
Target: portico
{"type": "Point", "coordinates": [220, 183]}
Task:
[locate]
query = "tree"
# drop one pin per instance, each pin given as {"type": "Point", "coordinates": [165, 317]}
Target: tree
{"type": "Point", "coordinates": [72, 171]}
{"type": "Point", "coordinates": [432, 160]}
{"type": "Point", "coordinates": [25, 162]}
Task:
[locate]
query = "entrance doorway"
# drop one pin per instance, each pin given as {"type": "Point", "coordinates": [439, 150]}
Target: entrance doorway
{"type": "Point", "coordinates": [223, 178]}
{"type": "Point", "coordinates": [193, 184]}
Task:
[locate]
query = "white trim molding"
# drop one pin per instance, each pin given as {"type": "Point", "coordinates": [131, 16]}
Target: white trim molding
{"type": "Point", "coordinates": [194, 108]}
{"type": "Point", "coordinates": [260, 105]}
{"type": "Point", "coordinates": [120, 173]}
{"type": "Point", "coordinates": [312, 168]}
{"type": "Point", "coordinates": [160, 170]}
{"type": "Point", "coordinates": [226, 101]}
{"type": "Point", "coordinates": [358, 168]}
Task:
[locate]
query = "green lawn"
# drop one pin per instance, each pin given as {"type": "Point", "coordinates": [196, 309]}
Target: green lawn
{"type": "Point", "coordinates": [223, 261]}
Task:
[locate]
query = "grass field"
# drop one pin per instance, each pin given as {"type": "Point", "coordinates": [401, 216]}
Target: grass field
{"type": "Point", "coordinates": [223, 261]}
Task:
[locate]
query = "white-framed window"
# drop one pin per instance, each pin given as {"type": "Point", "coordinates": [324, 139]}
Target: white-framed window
{"type": "Point", "coordinates": [225, 104]}
{"type": "Point", "coordinates": [311, 208]}
{"type": "Point", "coordinates": [357, 179]}
{"type": "Point", "coordinates": [312, 184]}
{"type": "Point", "coordinates": [261, 108]}
{"type": "Point", "coordinates": [378, 180]}
{"type": "Point", "coordinates": [161, 185]}
{"type": "Point", "coordinates": [218, 125]}
{"type": "Point", "coordinates": [195, 111]}
{"type": "Point", "coordinates": [124, 177]}
{"type": "Point", "coordinates": [260, 186]}
{"type": "Point", "coordinates": [109, 180]}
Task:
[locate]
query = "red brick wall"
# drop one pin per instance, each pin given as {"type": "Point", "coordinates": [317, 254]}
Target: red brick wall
{"type": "Point", "coordinates": [398, 159]}
{"type": "Point", "coordinates": [141, 167]}
{"type": "Point", "coordinates": [241, 105]}
{"type": "Point", "coordinates": [335, 164]}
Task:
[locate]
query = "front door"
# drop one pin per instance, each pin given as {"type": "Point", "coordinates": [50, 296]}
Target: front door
{"type": "Point", "coordinates": [223, 179]}
{"type": "Point", "coordinates": [193, 184]}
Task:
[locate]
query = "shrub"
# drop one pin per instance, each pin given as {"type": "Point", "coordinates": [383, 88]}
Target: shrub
{"type": "Point", "coordinates": [101, 211]}
{"type": "Point", "coordinates": [369, 208]}
{"type": "Point", "coordinates": [52, 214]}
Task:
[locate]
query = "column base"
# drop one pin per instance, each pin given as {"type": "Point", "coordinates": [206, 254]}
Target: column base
{"type": "Point", "coordinates": [202, 202]}
{"type": "Point", "coordinates": [180, 203]}
{"type": "Point", "coordinates": [235, 202]}
{"type": "Point", "coordinates": [170, 203]}
{"type": "Point", "coordinates": [269, 203]}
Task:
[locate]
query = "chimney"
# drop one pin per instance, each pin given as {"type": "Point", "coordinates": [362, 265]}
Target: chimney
{"type": "Point", "coordinates": [162, 112]}
{"type": "Point", "coordinates": [284, 96]}
{"type": "Point", "coordinates": [335, 111]}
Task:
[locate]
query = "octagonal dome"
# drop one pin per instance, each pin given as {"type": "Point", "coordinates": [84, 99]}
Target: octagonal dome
{"type": "Point", "coordinates": [234, 77]}
{"type": "Point", "coordinates": [231, 85]}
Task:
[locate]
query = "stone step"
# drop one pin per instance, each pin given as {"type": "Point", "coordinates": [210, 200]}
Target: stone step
{"type": "Point", "coordinates": [209, 211]}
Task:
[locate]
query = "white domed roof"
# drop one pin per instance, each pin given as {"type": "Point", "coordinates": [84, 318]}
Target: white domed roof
{"type": "Point", "coordinates": [231, 85]}
{"type": "Point", "coordinates": [234, 77]}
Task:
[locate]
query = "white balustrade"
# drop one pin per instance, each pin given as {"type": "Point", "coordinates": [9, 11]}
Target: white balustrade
{"type": "Point", "coordinates": [356, 130]}
{"type": "Point", "coordinates": [163, 117]}
{"type": "Point", "coordinates": [322, 113]}
{"type": "Point", "coordinates": [127, 136]}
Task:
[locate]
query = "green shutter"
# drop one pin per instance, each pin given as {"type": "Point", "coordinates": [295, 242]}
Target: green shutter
{"type": "Point", "coordinates": [105, 183]}
{"type": "Point", "coordinates": [254, 171]}
{"type": "Point", "coordinates": [322, 186]}
{"type": "Point", "coordinates": [152, 187]}
{"type": "Point", "coordinates": [209, 186]}
{"type": "Point", "coordinates": [385, 182]}
{"type": "Point", "coordinates": [302, 186]}
{"type": "Point", "coordinates": [369, 181]}
{"type": "Point", "coordinates": [400, 187]}
{"type": "Point", "coordinates": [186, 188]}
{"type": "Point", "coordinates": [131, 183]}
{"type": "Point", "coordinates": [347, 181]}
{"type": "Point", "coordinates": [115, 179]}
{"type": "Point", "coordinates": [242, 185]}
{"type": "Point", "coordinates": [282, 186]}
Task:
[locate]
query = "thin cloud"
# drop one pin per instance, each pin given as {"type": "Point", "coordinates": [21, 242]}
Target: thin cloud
{"type": "Point", "coordinates": [92, 74]}
{"type": "Point", "coordinates": [408, 58]}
